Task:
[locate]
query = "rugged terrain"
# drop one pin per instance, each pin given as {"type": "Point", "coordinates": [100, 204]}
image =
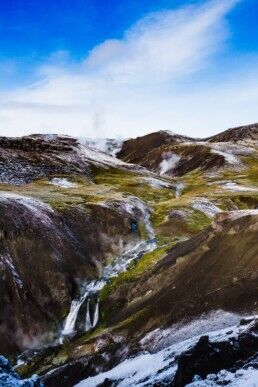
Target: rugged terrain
{"type": "Point", "coordinates": [105, 258]}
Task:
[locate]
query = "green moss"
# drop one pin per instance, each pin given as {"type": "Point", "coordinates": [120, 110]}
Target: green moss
{"type": "Point", "coordinates": [131, 183]}
{"type": "Point", "coordinates": [252, 171]}
{"type": "Point", "coordinates": [161, 210]}
{"type": "Point", "coordinates": [132, 322]}
{"type": "Point", "coordinates": [198, 221]}
{"type": "Point", "coordinates": [135, 270]}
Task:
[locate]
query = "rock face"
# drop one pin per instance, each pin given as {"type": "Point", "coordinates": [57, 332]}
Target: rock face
{"type": "Point", "coordinates": [47, 252]}
{"type": "Point", "coordinates": [210, 357]}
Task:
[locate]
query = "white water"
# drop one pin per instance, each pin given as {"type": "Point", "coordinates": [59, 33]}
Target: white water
{"type": "Point", "coordinates": [96, 315]}
{"type": "Point", "coordinates": [72, 316]}
{"type": "Point", "coordinates": [88, 321]}
{"type": "Point", "coordinates": [92, 288]}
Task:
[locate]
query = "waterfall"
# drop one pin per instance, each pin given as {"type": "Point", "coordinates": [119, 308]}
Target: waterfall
{"type": "Point", "coordinates": [91, 289]}
{"type": "Point", "coordinates": [96, 315]}
{"type": "Point", "coordinates": [72, 316]}
{"type": "Point", "coordinates": [88, 325]}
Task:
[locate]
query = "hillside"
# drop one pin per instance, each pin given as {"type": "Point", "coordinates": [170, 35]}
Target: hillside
{"type": "Point", "coordinates": [167, 153]}
{"type": "Point", "coordinates": [104, 258]}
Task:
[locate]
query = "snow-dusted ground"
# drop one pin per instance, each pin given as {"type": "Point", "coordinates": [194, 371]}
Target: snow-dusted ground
{"type": "Point", "coordinates": [63, 182]}
{"type": "Point", "coordinates": [149, 368]}
{"type": "Point", "coordinates": [36, 207]}
{"type": "Point", "coordinates": [97, 157]}
{"type": "Point", "coordinates": [229, 157]}
{"type": "Point", "coordinates": [241, 378]}
{"type": "Point", "coordinates": [231, 152]}
{"type": "Point", "coordinates": [206, 206]}
{"type": "Point", "coordinates": [232, 186]}
{"type": "Point", "coordinates": [156, 183]}
{"type": "Point", "coordinates": [110, 146]}
{"type": "Point", "coordinates": [232, 215]}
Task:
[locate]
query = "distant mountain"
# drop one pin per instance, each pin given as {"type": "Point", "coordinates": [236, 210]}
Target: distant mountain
{"type": "Point", "coordinates": [242, 133]}
{"type": "Point", "coordinates": [177, 155]}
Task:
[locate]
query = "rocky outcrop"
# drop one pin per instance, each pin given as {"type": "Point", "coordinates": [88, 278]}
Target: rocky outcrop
{"type": "Point", "coordinates": [210, 357]}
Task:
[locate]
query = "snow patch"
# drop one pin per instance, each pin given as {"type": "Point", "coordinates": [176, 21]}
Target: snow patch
{"type": "Point", "coordinates": [229, 157]}
{"type": "Point", "coordinates": [233, 215]}
{"type": "Point", "coordinates": [206, 206]}
{"type": "Point", "coordinates": [62, 182]}
{"type": "Point", "coordinates": [97, 157]}
{"type": "Point", "coordinates": [232, 186]}
{"type": "Point", "coordinates": [241, 378]}
{"type": "Point", "coordinates": [39, 209]}
{"type": "Point", "coordinates": [156, 183]}
{"type": "Point", "coordinates": [149, 368]}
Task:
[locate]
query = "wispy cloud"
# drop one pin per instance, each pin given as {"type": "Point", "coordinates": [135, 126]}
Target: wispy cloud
{"type": "Point", "coordinates": [136, 84]}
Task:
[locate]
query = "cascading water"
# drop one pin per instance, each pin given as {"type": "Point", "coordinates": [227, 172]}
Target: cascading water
{"type": "Point", "coordinates": [96, 314]}
{"type": "Point", "coordinates": [88, 321]}
{"type": "Point", "coordinates": [91, 289]}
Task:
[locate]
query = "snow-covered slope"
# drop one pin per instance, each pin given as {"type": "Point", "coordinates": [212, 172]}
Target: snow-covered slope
{"type": "Point", "coordinates": [159, 368]}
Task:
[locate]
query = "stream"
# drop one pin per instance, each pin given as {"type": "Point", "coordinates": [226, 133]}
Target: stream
{"type": "Point", "coordinates": [90, 290]}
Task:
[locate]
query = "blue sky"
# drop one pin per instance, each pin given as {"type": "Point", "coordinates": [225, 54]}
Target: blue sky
{"type": "Point", "coordinates": [127, 67]}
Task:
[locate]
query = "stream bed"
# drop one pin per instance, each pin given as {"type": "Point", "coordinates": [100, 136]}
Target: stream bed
{"type": "Point", "coordinates": [88, 302]}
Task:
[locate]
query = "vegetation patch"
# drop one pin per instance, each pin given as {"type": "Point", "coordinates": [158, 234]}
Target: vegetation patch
{"type": "Point", "coordinates": [134, 271]}
{"type": "Point", "coordinates": [198, 221]}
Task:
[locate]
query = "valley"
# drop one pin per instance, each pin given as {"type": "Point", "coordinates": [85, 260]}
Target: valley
{"type": "Point", "coordinates": [111, 263]}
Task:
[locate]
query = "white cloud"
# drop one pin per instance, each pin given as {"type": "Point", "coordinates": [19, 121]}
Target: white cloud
{"type": "Point", "coordinates": [143, 82]}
